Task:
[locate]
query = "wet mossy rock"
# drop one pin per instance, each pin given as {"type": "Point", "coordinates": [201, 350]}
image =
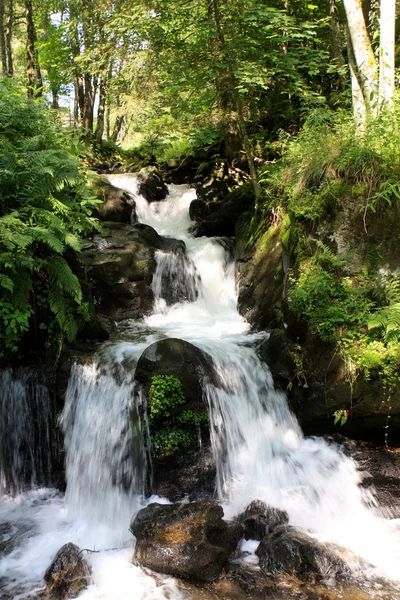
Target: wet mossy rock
{"type": "Point", "coordinates": [259, 519]}
{"type": "Point", "coordinates": [175, 357]}
{"type": "Point", "coordinates": [120, 265]}
{"type": "Point", "coordinates": [151, 186]}
{"type": "Point", "coordinates": [218, 217]}
{"type": "Point", "coordinates": [175, 370]}
{"type": "Point", "coordinates": [191, 541]}
{"type": "Point", "coordinates": [68, 575]}
{"type": "Point", "coordinates": [292, 552]}
{"type": "Point", "coordinates": [116, 204]}
{"type": "Point", "coordinates": [262, 264]}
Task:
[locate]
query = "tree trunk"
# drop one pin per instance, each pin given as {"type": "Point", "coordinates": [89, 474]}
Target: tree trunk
{"type": "Point", "coordinates": [30, 49]}
{"type": "Point", "coordinates": [88, 104]}
{"type": "Point", "coordinates": [101, 110]}
{"type": "Point", "coordinates": [76, 105]}
{"type": "Point", "coordinates": [2, 41]}
{"type": "Point", "coordinates": [119, 121]}
{"type": "Point", "coordinates": [10, 21]}
{"type": "Point", "coordinates": [55, 100]}
{"type": "Point", "coordinates": [335, 33]}
{"type": "Point", "coordinates": [358, 100]}
{"type": "Point", "coordinates": [108, 110]}
{"type": "Point", "coordinates": [387, 51]}
{"type": "Point", "coordinates": [366, 66]}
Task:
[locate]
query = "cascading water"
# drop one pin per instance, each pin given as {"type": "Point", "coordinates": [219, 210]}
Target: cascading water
{"type": "Point", "coordinates": [259, 449]}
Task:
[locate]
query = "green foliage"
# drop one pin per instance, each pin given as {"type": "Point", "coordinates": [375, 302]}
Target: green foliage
{"type": "Point", "coordinates": [172, 429]}
{"type": "Point", "coordinates": [44, 210]}
{"type": "Point", "coordinates": [324, 170]}
{"type": "Point", "coordinates": [165, 393]}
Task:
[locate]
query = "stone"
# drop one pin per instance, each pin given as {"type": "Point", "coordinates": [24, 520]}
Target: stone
{"type": "Point", "coordinates": [151, 185]}
{"type": "Point", "coordinates": [291, 551]}
{"type": "Point", "coordinates": [191, 541]}
{"type": "Point", "coordinates": [259, 519]}
{"type": "Point", "coordinates": [120, 265]}
{"type": "Point", "coordinates": [189, 470]}
{"type": "Point", "coordinates": [68, 575]}
{"type": "Point", "coordinates": [218, 217]}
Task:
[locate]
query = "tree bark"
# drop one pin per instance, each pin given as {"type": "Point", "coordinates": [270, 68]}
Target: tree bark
{"type": "Point", "coordinates": [387, 51]}
{"type": "Point", "coordinates": [9, 28]}
{"type": "Point", "coordinates": [101, 110]}
{"type": "Point", "coordinates": [2, 41]}
{"type": "Point", "coordinates": [336, 41]}
{"type": "Point", "coordinates": [358, 100]}
{"type": "Point", "coordinates": [366, 65]}
{"type": "Point", "coordinates": [30, 49]}
{"type": "Point", "coordinates": [88, 104]}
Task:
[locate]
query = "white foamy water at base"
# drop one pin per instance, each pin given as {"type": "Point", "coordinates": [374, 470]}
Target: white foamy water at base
{"type": "Point", "coordinates": [259, 449]}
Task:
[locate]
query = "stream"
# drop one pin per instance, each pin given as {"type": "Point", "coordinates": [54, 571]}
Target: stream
{"type": "Point", "coordinates": [258, 446]}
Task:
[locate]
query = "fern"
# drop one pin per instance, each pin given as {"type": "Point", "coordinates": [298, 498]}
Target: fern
{"type": "Point", "coordinates": [43, 210]}
{"type": "Point", "coordinates": [387, 319]}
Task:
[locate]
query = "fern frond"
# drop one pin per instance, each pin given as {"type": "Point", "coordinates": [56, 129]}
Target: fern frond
{"type": "Point", "coordinates": [62, 277]}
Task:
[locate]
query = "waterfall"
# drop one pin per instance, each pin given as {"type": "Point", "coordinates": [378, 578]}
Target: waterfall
{"type": "Point", "coordinates": [27, 431]}
{"type": "Point", "coordinates": [259, 449]}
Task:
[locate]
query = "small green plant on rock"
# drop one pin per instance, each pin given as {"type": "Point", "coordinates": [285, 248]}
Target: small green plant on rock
{"type": "Point", "coordinates": [171, 428]}
{"type": "Point", "coordinates": [165, 393]}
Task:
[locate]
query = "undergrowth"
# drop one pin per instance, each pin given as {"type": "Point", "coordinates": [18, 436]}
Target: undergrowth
{"type": "Point", "coordinates": [346, 298]}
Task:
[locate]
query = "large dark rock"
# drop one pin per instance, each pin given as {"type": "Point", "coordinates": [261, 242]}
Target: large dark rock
{"type": "Point", "coordinates": [115, 204]}
{"type": "Point", "coordinates": [188, 469]}
{"type": "Point", "coordinates": [151, 185]}
{"type": "Point", "coordinates": [218, 217]}
{"type": "Point", "coordinates": [259, 519]}
{"type": "Point", "coordinates": [120, 265]}
{"type": "Point", "coordinates": [191, 541]}
{"type": "Point", "coordinates": [68, 575]}
{"type": "Point", "coordinates": [262, 265]}
{"type": "Point", "coordinates": [291, 551]}
{"type": "Point", "coordinates": [181, 359]}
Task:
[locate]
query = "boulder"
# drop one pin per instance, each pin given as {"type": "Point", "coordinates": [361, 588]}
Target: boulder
{"type": "Point", "coordinates": [259, 519]}
{"type": "Point", "coordinates": [151, 185]}
{"type": "Point", "coordinates": [68, 574]}
{"type": "Point", "coordinates": [191, 541]}
{"type": "Point", "coordinates": [291, 551]}
{"type": "Point", "coordinates": [120, 265]}
{"type": "Point", "coordinates": [218, 217]}
{"type": "Point", "coordinates": [181, 359]}
{"type": "Point", "coordinates": [115, 204]}
{"type": "Point", "coordinates": [117, 207]}
{"type": "Point", "coordinates": [183, 464]}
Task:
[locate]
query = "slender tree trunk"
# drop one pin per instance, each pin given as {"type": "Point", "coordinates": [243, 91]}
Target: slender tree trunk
{"type": "Point", "coordinates": [88, 104]}
{"type": "Point", "coordinates": [76, 105]}
{"type": "Point", "coordinates": [336, 41]}
{"type": "Point", "coordinates": [119, 121]}
{"type": "Point", "coordinates": [387, 51]}
{"type": "Point", "coordinates": [108, 110]}
{"type": "Point", "coordinates": [358, 100]}
{"type": "Point", "coordinates": [366, 65]}
{"type": "Point", "coordinates": [30, 49]}
{"type": "Point", "coordinates": [2, 41]}
{"type": "Point", "coordinates": [9, 27]}
{"type": "Point", "coordinates": [101, 109]}
{"type": "Point", "coordinates": [55, 100]}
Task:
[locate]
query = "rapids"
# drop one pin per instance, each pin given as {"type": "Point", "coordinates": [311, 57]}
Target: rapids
{"type": "Point", "coordinates": [259, 449]}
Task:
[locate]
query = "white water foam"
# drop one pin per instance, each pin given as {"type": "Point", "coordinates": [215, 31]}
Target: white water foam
{"type": "Point", "coordinates": [258, 446]}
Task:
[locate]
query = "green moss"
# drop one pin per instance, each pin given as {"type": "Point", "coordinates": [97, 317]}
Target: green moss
{"type": "Point", "coordinates": [171, 428]}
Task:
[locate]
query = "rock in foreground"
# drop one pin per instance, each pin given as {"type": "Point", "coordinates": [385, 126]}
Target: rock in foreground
{"type": "Point", "coordinates": [259, 519]}
{"type": "Point", "coordinates": [191, 541]}
{"type": "Point", "coordinates": [68, 574]}
{"type": "Point", "coordinates": [291, 551]}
